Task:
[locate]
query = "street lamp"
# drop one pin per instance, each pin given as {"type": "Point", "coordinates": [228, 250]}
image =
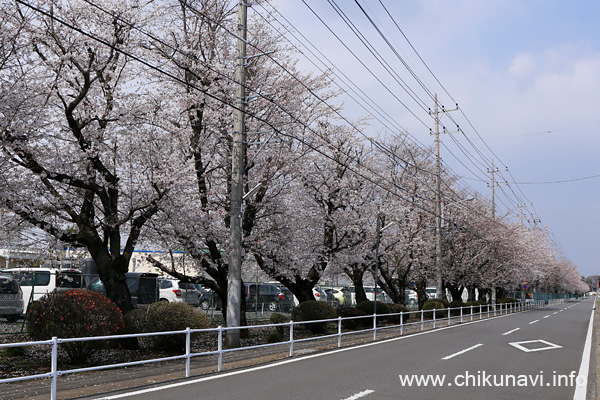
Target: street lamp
{"type": "Point", "coordinates": [439, 290]}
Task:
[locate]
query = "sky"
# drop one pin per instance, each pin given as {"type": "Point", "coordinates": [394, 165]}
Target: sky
{"type": "Point", "coordinates": [525, 75]}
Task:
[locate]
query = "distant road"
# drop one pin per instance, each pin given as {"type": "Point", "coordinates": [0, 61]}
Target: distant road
{"type": "Point", "coordinates": [529, 355]}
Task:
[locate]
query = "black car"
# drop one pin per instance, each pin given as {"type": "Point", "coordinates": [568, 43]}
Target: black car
{"type": "Point", "coordinates": [208, 298]}
{"type": "Point", "coordinates": [271, 297]}
{"type": "Point", "coordinates": [143, 287]}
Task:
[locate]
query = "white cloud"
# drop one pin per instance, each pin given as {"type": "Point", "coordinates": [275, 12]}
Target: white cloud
{"type": "Point", "coordinates": [522, 66]}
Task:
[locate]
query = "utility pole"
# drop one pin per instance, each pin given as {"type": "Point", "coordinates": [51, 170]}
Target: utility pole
{"type": "Point", "coordinates": [439, 281]}
{"type": "Point", "coordinates": [378, 232]}
{"type": "Point", "coordinates": [234, 281]}
{"type": "Point", "coordinates": [493, 171]}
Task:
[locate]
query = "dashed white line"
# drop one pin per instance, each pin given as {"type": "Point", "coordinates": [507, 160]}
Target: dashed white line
{"type": "Point", "coordinates": [360, 394]}
{"type": "Point", "coordinates": [555, 312]}
{"type": "Point", "coordinates": [533, 322]}
{"type": "Point", "coordinates": [462, 351]}
{"type": "Point", "coordinates": [509, 332]}
{"type": "Point", "coordinates": [546, 316]}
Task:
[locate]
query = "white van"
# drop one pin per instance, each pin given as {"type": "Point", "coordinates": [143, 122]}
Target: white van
{"type": "Point", "coordinates": [36, 282]}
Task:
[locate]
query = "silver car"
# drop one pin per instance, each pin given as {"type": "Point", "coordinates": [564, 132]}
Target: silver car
{"type": "Point", "coordinates": [11, 298]}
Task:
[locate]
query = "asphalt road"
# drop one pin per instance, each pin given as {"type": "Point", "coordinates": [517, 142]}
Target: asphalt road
{"type": "Point", "coordinates": [533, 355]}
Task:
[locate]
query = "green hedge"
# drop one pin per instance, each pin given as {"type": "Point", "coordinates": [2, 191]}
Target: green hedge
{"type": "Point", "coordinates": [163, 317]}
{"type": "Point", "coordinates": [435, 304]}
{"type": "Point", "coordinates": [314, 310]}
{"type": "Point", "coordinates": [355, 322]}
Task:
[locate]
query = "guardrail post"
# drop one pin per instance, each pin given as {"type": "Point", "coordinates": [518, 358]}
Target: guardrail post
{"type": "Point", "coordinates": [480, 311]}
{"type": "Point", "coordinates": [220, 349]}
{"type": "Point", "coordinates": [449, 316]}
{"type": "Point", "coordinates": [291, 338]}
{"type": "Point", "coordinates": [495, 309]}
{"type": "Point", "coordinates": [374, 326]}
{"type": "Point", "coordinates": [421, 319]}
{"type": "Point", "coordinates": [339, 331]}
{"type": "Point", "coordinates": [433, 317]}
{"type": "Point", "coordinates": [461, 314]}
{"type": "Point", "coordinates": [471, 312]}
{"type": "Point", "coordinates": [401, 323]}
{"type": "Point", "coordinates": [188, 347]}
{"type": "Point", "coordinates": [54, 367]}
{"type": "Point", "coordinates": [488, 312]}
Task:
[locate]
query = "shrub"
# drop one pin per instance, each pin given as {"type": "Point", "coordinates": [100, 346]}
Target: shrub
{"type": "Point", "coordinates": [162, 317]}
{"type": "Point", "coordinates": [476, 306]}
{"type": "Point", "coordinates": [279, 319]}
{"type": "Point", "coordinates": [436, 304]}
{"type": "Point", "coordinates": [455, 305]}
{"type": "Point", "coordinates": [314, 310]}
{"type": "Point", "coordinates": [74, 313]}
{"type": "Point", "coordinates": [275, 337]}
{"type": "Point", "coordinates": [507, 300]}
{"type": "Point", "coordinates": [367, 307]}
{"type": "Point", "coordinates": [443, 301]}
{"type": "Point", "coordinates": [396, 309]}
{"type": "Point", "coordinates": [352, 312]}
{"type": "Point", "coordinates": [8, 352]}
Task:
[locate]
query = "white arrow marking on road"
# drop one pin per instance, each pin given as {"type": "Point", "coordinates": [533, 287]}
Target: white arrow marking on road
{"type": "Point", "coordinates": [533, 322]}
{"type": "Point", "coordinates": [360, 394]}
{"type": "Point", "coordinates": [462, 351]}
{"type": "Point", "coordinates": [509, 332]}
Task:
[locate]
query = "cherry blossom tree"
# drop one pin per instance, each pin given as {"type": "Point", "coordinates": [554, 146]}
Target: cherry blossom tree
{"type": "Point", "coordinates": [77, 161]}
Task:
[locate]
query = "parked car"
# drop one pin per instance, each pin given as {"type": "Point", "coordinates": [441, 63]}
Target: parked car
{"type": "Point", "coordinates": [341, 295]}
{"type": "Point", "coordinates": [352, 291]}
{"type": "Point", "coordinates": [381, 295]}
{"type": "Point", "coordinates": [431, 292]}
{"type": "Point", "coordinates": [36, 282]}
{"type": "Point", "coordinates": [176, 291]}
{"type": "Point", "coordinates": [208, 298]}
{"type": "Point", "coordinates": [319, 294]}
{"type": "Point", "coordinates": [288, 302]}
{"type": "Point", "coordinates": [11, 298]}
{"type": "Point", "coordinates": [270, 297]}
{"type": "Point", "coordinates": [143, 287]}
{"type": "Point", "coordinates": [411, 297]}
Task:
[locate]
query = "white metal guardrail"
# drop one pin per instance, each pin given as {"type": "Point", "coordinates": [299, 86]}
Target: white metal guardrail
{"type": "Point", "coordinates": [422, 317]}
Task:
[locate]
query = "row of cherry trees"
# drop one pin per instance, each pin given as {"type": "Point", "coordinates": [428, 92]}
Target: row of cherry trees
{"type": "Point", "coordinates": [116, 129]}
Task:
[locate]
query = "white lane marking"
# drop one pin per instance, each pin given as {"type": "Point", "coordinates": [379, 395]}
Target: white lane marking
{"type": "Point", "coordinates": [360, 394]}
{"type": "Point", "coordinates": [549, 346]}
{"type": "Point", "coordinates": [581, 389]}
{"type": "Point", "coordinates": [509, 332]}
{"type": "Point", "coordinates": [533, 322]}
{"type": "Point", "coordinates": [546, 316]}
{"type": "Point", "coordinates": [555, 312]}
{"type": "Point", "coordinates": [462, 351]}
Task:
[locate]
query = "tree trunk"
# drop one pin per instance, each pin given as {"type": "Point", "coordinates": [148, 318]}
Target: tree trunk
{"type": "Point", "coordinates": [455, 291]}
{"type": "Point", "coordinates": [112, 272]}
{"type": "Point", "coordinates": [356, 273]}
{"type": "Point", "coordinates": [420, 286]}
